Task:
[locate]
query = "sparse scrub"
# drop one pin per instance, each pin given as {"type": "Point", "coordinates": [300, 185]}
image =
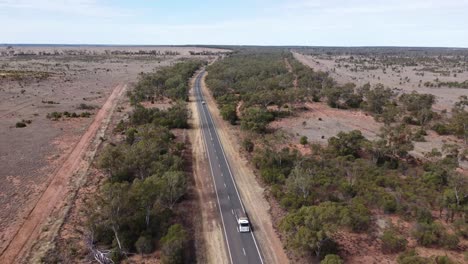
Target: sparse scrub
{"type": "Point", "coordinates": [57, 115]}
{"type": "Point", "coordinates": [49, 102]}
{"type": "Point", "coordinates": [84, 106]}
{"type": "Point", "coordinates": [20, 124]}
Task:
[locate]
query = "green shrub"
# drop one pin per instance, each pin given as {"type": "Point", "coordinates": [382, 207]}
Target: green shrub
{"type": "Point", "coordinates": [360, 216]}
{"type": "Point", "coordinates": [20, 124]}
{"type": "Point", "coordinates": [272, 175]}
{"type": "Point", "coordinates": [303, 140]}
{"type": "Point", "coordinates": [389, 204]}
{"type": "Point", "coordinates": [461, 228]}
{"type": "Point", "coordinates": [427, 234]}
{"type": "Point", "coordinates": [116, 256]}
{"type": "Point", "coordinates": [256, 119]}
{"type": "Point", "coordinates": [423, 215]}
{"type": "Point", "coordinates": [130, 135]}
{"type": "Point", "coordinates": [85, 114]}
{"type": "Point", "coordinates": [419, 135]}
{"type": "Point", "coordinates": [332, 259]}
{"type": "Point", "coordinates": [173, 245]}
{"type": "Point", "coordinates": [392, 242]}
{"type": "Point", "coordinates": [449, 241]}
{"type": "Point", "coordinates": [441, 129]}
{"type": "Point", "coordinates": [229, 113]}
{"type": "Point", "coordinates": [144, 245]}
{"type": "Point", "coordinates": [345, 144]}
{"type": "Point", "coordinates": [411, 257]}
{"type": "Point", "coordinates": [83, 106]}
{"type": "Point", "coordinates": [444, 260]}
{"type": "Point", "coordinates": [248, 145]}
{"type": "Point", "coordinates": [54, 116]}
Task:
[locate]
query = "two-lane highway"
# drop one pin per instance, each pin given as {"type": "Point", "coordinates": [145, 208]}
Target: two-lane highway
{"type": "Point", "coordinates": [242, 247]}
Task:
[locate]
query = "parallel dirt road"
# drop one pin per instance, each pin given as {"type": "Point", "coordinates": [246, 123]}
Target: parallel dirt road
{"type": "Point", "coordinates": [54, 197]}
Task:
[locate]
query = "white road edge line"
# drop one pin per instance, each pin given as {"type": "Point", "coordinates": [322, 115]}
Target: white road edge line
{"type": "Point", "coordinates": [214, 182]}
{"type": "Point", "coordinates": [230, 173]}
{"type": "Point", "coordinates": [243, 249]}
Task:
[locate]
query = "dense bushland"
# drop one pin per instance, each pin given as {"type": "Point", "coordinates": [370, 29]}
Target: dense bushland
{"type": "Point", "coordinates": [338, 186]}
{"type": "Point", "coordinates": [136, 210]}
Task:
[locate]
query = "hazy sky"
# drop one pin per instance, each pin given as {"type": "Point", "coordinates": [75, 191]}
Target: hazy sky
{"type": "Point", "coordinates": [248, 22]}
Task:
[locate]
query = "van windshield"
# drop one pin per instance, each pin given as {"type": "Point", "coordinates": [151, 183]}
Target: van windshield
{"type": "Point", "coordinates": [244, 225]}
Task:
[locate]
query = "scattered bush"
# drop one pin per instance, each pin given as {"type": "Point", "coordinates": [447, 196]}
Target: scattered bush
{"type": "Point", "coordinates": [57, 115]}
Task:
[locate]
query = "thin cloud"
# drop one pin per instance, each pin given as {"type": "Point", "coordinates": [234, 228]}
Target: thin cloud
{"type": "Point", "coordinates": [90, 8]}
{"type": "Point", "coordinates": [366, 6]}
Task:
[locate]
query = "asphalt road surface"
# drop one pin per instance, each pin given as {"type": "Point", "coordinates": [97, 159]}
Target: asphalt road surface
{"type": "Point", "coordinates": [242, 247]}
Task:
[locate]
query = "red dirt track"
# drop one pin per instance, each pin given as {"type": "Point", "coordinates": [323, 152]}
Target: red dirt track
{"type": "Point", "coordinates": [54, 196]}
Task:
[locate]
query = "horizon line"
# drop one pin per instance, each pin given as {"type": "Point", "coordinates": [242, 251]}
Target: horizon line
{"type": "Point", "coordinates": [222, 45]}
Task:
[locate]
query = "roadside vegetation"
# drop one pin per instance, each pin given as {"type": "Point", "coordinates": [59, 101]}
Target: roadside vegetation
{"type": "Point", "coordinates": [169, 82]}
{"type": "Point", "coordinates": [341, 186]}
{"type": "Point", "coordinates": [137, 209]}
